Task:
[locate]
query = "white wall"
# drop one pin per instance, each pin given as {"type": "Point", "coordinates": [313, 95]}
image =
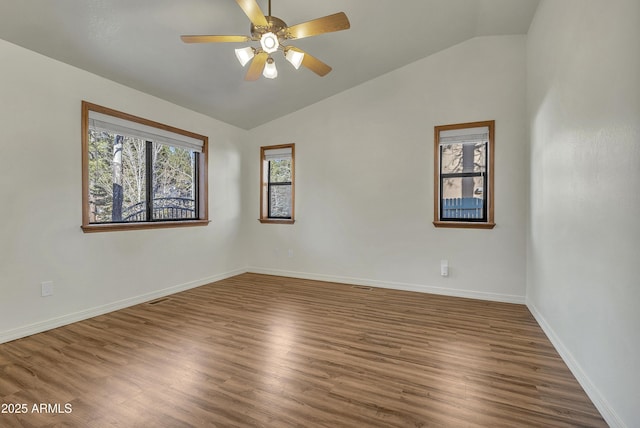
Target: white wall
{"type": "Point", "coordinates": [41, 212]}
{"type": "Point", "coordinates": [365, 192]}
{"type": "Point", "coordinates": [364, 178]}
{"type": "Point", "coordinates": [584, 234]}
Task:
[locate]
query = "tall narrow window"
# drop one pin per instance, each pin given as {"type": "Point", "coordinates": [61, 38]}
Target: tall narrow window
{"type": "Point", "coordinates": [463, 183]}
{"type": "Point", "coordinates": [138, 173]}
{"type": "Point", "coordinates": [277, 178]}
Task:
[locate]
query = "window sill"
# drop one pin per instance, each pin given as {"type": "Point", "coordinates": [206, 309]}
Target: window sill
{"type": "Point", "coordinates": [115, 227]}
{"type": "Point", "coordinates": [275, 221]}
{"type": "Point", "coordinates": [464, 224]}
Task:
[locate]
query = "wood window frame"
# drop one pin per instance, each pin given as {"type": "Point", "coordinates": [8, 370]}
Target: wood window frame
{"type": "Point", "coordinates": [264, 185]}
{"type": "Point", "coordinates": [202, 185]}
{"type": "Point", "coordinates": [489, 223]}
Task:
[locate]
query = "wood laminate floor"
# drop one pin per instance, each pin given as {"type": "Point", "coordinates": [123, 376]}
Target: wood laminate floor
{"type": "Point", "coordinates": [266, 351]}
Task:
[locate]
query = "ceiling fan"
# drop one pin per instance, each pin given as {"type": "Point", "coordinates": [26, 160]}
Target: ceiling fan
{"type": "Point", "coordinates": [272, 32]}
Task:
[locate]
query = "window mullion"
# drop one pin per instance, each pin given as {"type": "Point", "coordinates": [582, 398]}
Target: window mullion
{"type": "Point", "coordinates": [462, 174]}
{"type": "Point", "coordinates": [149, 179]}
{"type": "Point", "coordinates": [269, 189]}
{"type": "Point", "coordinates": [196, 185]}
{"type": "Point", "coordinates": [485, 185]}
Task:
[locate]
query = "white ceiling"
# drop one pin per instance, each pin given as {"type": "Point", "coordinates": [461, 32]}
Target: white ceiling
{"type": "Point", "coordinates": [137, 43]}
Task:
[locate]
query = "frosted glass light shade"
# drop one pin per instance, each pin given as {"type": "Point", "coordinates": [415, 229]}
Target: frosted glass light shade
{"type": "Point", "coordinates": [244, 55]}
{"type": "Point", "coordinates": [270, 71]}
{"type": "Point", "coordinates": [269, 42]}
{"type": "Point", "coordinates": [294, 57]}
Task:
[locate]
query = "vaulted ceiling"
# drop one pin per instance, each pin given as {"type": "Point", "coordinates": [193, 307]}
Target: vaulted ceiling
{"type": "Point", "coordinates": [137, 43]}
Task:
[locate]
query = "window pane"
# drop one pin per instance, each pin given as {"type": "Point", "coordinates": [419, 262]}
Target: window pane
{"type": "Point", "coordinates": [469, 187]}
{"type": "Point", "coordinates": [280, 201]}
{"type": "Point", "coordinates": [463, 198]}
{"type": "Point", "coordinates": [463, 157]}
{"type": "Point", "coordinates": [280, 171]}
{"type": "Point", "coordinates": [174, 182]}
{"type": "Point", "coordinates": [116, 178]}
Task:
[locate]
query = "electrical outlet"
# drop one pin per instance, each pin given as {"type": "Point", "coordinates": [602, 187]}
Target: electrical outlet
{"type": "Point", "coordinates": [47, 288]}
{"type": "Point", "coordinates": [290, 253]}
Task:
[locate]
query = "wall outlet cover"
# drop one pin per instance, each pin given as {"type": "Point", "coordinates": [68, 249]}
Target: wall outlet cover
{"type": "Point", "coordinates": [47, 288]}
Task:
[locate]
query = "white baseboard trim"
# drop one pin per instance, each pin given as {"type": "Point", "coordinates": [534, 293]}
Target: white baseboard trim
{"type": "Point", "coordinates": [495, 297]}
{"type": "Point", "coordinates": [39, 327]}
{"type": "Point", "coordinates": [603, 406]}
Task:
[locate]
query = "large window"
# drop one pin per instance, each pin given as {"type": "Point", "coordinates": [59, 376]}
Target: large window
{"type": "Point", "coordinates": [140, 174]}
{"type": "Point", "coordinates": [277, 177]}
{"type": "Point", "coordinates": [463, 183]}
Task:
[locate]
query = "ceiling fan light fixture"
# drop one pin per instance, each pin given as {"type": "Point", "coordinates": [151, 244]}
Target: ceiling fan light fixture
{"type": "Point", "coordinates": [272, 32]}
{"type": "Point", "coordinates": [244, 55]}
{"type": "Point", "coordinates": [269, 42]}
{"type": "Point", "coordinates": [294, 57]}
{"type": "Point", "coordinates": [270, 71]}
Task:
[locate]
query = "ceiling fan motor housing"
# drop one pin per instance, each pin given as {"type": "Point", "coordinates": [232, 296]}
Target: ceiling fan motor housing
{"type": "Point", "coordinates": [276, 26]}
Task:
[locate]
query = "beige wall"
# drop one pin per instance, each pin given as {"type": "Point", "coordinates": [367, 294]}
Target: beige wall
{"type": "Point", "coordinates": [364, 178]}
{"type": "Point", "coordinates": [584, 235]}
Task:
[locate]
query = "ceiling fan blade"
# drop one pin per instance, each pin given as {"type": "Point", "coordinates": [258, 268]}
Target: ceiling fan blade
{"type": "Point", "coordinates": [327, 24]}
{"type": "Point", "coordinates": [253, 11]}
{"type": "Point", "coordinates": [215, 39]}
{"type": "Point", "coordinates": [256, 67]}
{"type": "Point", "coordinates": [313, 63]}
